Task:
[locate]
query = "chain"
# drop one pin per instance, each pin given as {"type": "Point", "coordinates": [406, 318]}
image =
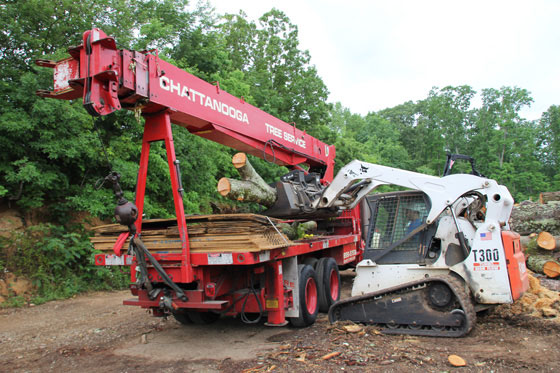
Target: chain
{"type": "Point", "coordinates": [94, 121]}
{"type": "Point", "coordinates": [99, 183]}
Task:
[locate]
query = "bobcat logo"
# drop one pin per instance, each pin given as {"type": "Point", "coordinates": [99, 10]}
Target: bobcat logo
{"type": "Point", "coordinates": [363, 169]}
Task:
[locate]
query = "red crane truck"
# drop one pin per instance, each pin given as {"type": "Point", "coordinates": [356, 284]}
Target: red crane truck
{"type": "Point", "coordinates": [266, 283]}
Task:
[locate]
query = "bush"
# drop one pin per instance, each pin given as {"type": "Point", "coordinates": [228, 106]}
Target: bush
{"type": "Point", "coordinates": [59, 261]}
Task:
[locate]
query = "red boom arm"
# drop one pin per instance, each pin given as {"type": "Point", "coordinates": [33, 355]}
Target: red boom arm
{"type": "Point", "coordinates": [108, 78]}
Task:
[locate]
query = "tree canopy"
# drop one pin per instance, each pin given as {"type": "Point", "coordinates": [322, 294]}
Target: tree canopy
{"type": "Point", "coordinates": [52, 153]}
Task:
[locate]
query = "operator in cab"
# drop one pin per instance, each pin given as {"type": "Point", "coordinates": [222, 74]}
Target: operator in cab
{"type": "Point", "coordinates": [414, 220]}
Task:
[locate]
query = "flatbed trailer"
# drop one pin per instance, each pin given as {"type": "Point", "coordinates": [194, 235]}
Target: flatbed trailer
{"type": "Point", "coordinates": [264, 283]}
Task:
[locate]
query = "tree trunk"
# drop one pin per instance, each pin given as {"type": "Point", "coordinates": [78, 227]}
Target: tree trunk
{"type": "Point", "coordinates": [546, 197]}
{"type": "Point", "coordinates": [252, 188]}
{"type": "Point", "coordinates": [529, 217]}
{"type": "Point", "coordinates": [550, 284]}
{"type": "Point", "coordinates": [544, 264]}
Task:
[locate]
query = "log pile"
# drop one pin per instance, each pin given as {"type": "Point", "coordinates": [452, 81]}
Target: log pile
{"type": "Point", "coordinates": [528, 217]}
{"type": "Point", "coordinates": [541, 249]}
{"type": "Point", "coordinates": [207, 233]}
{"type": "Point", "coordinates": [540, 253]}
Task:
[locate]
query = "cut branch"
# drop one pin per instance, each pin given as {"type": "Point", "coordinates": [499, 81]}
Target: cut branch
{"type": "Point", "coordinates": [298, 230]}
{"type": "Point", "coordinates": [251, 187]}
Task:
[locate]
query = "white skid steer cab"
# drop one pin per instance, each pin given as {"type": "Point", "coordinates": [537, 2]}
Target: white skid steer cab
{"type": "Point", "coordinates": [434, 254]}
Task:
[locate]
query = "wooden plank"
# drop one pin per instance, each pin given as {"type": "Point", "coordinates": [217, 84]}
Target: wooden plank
{"type": "Point", "coordinates": [222, 220]}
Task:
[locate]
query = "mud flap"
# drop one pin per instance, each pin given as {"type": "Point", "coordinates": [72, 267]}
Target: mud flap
{"type": "Point", "coordinates": [290, 269]}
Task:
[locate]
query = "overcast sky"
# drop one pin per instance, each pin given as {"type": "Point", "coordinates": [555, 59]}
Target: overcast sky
{"type": "Point", "coordinates": [378, 54]}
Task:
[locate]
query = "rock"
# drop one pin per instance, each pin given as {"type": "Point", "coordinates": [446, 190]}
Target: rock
{"type": "Point", "coordinates": [144, 339]}
{"type": "Point", "coordinates": [10, 221]}
{"type": "Point", "coordinates": [20, 286]}
{"type": "Point", "coordinates": [4, 290]}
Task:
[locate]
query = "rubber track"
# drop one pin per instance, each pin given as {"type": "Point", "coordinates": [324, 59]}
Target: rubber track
{"type": "Point", "coordinates": [456, 286]}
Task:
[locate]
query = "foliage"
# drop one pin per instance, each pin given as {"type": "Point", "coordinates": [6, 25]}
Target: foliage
{"type": "Point", "coordinates": [52, 153]}
{"type": "Point", "coordinates": [58, 261]}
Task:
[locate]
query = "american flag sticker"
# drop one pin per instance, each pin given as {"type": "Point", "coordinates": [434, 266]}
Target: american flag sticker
{"type": "Point", "coordinates": [486, 236]}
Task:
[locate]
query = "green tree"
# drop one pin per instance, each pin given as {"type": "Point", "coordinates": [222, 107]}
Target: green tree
{"type": "Point", "coordinates": [448, 109]}
{"type": "Point", "coordinates": [549, 144]}
{"type": "Point", "coordinates": [282, 80]}
{"type": "Point", "coordinates": [501, 109]}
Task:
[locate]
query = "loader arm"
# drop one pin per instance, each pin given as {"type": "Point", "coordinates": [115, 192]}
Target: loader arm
{"type": "Point", "coordinates": [345, 193]}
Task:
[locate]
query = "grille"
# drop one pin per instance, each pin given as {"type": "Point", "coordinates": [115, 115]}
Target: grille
{"type": "Point", "coordinates": [394, 218]}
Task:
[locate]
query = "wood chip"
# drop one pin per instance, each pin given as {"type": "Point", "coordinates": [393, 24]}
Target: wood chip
{"type": "Point", "coordinates": [331, 355]}
{"type": "Point", "coordinates": [457, 361]}
{"type": "Point", "coordinates": [386, 362]}
{"type": "Point", "coordinates": [353, 328]}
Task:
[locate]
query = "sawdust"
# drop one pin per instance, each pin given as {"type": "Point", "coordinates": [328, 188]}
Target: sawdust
{"type": "Point", "coordinates": [538, 301]}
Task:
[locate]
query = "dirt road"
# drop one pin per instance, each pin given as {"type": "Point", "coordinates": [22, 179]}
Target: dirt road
{"type": "Point", "coordinates": [95, 332]}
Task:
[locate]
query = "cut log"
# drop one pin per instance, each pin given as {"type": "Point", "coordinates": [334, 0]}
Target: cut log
{"type": "Point", "coordinates": [529, 217]}
{"type": "Point", "coordinates": [546, 197]}
{"type": "Point", "coordinates": [544, 264]}
{"type": "Point", "coordinates": [245, 191]}
{"type": "Point", "coordinates": [251, 187]}
{"type": "Point", "coordinates": [546, 241]}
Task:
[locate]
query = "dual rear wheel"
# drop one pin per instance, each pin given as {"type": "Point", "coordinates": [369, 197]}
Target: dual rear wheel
{"type": "Point", "coordinates": [319, 288]}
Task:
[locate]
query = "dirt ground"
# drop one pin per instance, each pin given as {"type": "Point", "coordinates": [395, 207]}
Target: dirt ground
{"type": "Point", "coordinates": [95, 332]}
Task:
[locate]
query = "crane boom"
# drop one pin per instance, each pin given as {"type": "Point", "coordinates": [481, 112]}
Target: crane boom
{"type": "Point", "coordinates": [109, 79]}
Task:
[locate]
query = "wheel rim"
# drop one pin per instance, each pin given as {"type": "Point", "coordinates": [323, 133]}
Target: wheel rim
{"type": "Point", "coordinates": [334, 285]}
{"type": "Point", "coordinates": [463, 316]}
{"type": "Point", "coordinates": [311, 296]}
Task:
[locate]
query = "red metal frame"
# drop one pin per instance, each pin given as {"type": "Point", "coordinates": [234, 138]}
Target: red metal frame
{"type": "Point", "coordinates": [158, 128]}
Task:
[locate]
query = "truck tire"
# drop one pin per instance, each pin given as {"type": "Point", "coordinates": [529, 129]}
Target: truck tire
{"type": "Point", "coordinates": [203, 318]}
{"type": "Point", "coordinates": [312, 262]}
{"type": "Point", "coordinates": [329, 283]}
{"type": "Point", "coordinates": [308, 303]}
{"type": "Point", "coordinates": [182, 317]}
